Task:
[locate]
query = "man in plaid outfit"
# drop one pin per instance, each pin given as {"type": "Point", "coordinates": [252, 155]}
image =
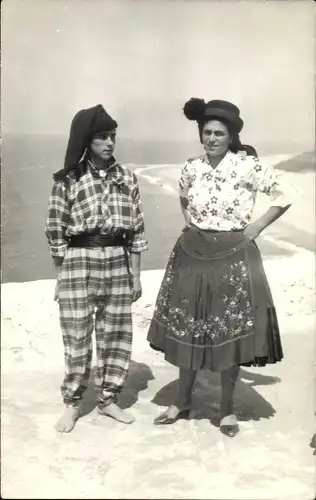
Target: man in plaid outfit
{"type": "Point", "coordinates": [95, 230]}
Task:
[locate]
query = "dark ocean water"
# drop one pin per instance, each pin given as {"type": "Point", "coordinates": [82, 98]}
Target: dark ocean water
{"type": "Point", "coordinates": [26, 180]}
{"type": "Point", "coordinates": [20, 151]}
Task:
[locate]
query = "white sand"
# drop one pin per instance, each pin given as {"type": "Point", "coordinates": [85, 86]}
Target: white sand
{"type": "Point", "coordinates": [269, 459]}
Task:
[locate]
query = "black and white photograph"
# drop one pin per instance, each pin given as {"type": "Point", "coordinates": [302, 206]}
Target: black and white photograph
{"type": "Point", "coordinates": [158, 249]}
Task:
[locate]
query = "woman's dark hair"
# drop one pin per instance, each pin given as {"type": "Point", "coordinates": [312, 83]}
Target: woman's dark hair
{"type": "Point", "coordinates": [235, 144]}
{"type": "Point", "coordinates": [250, 150]}
{"type": "Point", "coordinates": [194, 109]}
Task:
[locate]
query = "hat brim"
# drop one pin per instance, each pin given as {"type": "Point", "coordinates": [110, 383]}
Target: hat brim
{"type": "Point", "coordinates": [234, 120]}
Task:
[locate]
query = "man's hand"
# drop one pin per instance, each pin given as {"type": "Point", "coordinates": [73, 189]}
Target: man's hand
{"type": "Point", "coordinates": [58, 261]}
{"type": "Point", "coordinates": [56, 293]}
{"type": "Point", "coordinates": [137, 288]}
{"type": "Point", "coordinates": [252, 231]}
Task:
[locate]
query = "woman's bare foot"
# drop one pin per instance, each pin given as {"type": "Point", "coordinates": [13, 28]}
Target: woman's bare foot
{"type": "Point", "coordinates": [68, 419]}
{"type": "Point", "coordinates": [113, 411]}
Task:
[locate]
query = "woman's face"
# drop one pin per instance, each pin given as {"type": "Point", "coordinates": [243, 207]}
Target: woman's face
{"type": "Point", "coordinates": [215, 138]}
{"type": "Point", "coordinates": [103, 144]}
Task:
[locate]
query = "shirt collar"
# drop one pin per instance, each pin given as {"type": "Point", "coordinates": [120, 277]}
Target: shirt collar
{"type": "Point", "coordinates": [228, 156]}
{"type": "Point", "coordinates": [114, 171]}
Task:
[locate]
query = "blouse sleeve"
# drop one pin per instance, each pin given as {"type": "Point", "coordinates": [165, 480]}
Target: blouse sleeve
{"type": "Point", "coordinates": [274, 184]}
{"type": "Point", "coordinates": [185, 181]}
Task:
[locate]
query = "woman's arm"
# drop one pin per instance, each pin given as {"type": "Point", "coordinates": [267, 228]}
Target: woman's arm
{"type": "Point", "coordinates": [184, 185]}
{"type": "Point", "coordinates": [281, 196]}
{"type": "Point", "coordinates": [184, 205]}
{"type": "Point", "coordinates": [272, 214]}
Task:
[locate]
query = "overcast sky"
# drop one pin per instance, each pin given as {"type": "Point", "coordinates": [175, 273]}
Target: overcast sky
{"type": "Point", "coordinates": [143, 59]}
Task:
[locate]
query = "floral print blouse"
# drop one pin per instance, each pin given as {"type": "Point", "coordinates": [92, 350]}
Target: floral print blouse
{"type": "Point", "coordinates": [223, 198]}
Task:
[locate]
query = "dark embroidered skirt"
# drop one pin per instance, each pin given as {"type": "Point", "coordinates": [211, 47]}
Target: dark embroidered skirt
{"type": "Point", "coordinates": [214, 308]}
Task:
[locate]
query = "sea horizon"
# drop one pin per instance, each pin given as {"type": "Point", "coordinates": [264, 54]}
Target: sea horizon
{"type": "Point", "coordinates": [40, 149]}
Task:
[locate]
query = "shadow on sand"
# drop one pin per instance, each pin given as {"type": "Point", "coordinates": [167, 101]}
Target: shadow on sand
{"type": "Point", "coordinates": [138, 377]}
{"type": "Point", "coordinates": [248, 403]}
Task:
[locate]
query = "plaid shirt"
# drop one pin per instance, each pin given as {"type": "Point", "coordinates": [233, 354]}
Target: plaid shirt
{"type": "Point", "coordinates": [105, 201]}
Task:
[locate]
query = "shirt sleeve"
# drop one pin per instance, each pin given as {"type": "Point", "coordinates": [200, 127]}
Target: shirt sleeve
{"type": "Point", "coordinates": [57, 220]}
{"type": "Point", "coordinates": [185, 180]}
{"type": "Point", "coordinates": [139, 241]}
{"type": "Point", "coordinates": [275, 185]}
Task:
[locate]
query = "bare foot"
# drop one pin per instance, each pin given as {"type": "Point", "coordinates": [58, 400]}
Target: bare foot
{"type": "Point", "coordinates": [229, 420]}
{"type": "Point", "coordinates": [68, 419]}
{"type": "Point", "coordinates": [112, 410]}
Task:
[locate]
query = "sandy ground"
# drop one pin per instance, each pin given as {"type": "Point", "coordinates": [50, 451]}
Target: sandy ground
{"type": "Point", "coordinates": [271, 457]}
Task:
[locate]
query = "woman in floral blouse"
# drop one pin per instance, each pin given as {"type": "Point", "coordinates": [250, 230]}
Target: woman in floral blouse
{"type": "Point", "coordinates": [214, 309]}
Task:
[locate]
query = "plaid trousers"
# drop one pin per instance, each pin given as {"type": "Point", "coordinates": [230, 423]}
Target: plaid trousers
{"type": "Point", "coordinates": [95, 290]}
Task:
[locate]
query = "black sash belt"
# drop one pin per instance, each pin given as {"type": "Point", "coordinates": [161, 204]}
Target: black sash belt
{"type": "Point", "coordinates": [97, 240]}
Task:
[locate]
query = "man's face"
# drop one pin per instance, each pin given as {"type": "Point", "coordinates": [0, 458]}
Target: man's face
{"type": "Point", "coordinates": [103, 144]}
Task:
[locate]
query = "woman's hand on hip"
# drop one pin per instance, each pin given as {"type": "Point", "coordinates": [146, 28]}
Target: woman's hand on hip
{"type": "Point", "coordinates": [252, 231]}
{"type": "Point", "coordinates": [187, 225]}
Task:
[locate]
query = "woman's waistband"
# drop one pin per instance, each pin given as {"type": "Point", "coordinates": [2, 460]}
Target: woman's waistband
{"type": "Point", "coordinates": [194, 226]}
{"type": "Point", "coordinates": [212, 244]}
